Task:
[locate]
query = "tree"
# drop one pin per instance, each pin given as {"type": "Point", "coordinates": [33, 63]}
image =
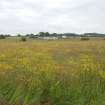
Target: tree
{"type": "Point", "coordinates": [41, 33]}
{"type": "Point", "coordinates": [46, 33]}
{"type": "Point", "coordinates": [54, 34]}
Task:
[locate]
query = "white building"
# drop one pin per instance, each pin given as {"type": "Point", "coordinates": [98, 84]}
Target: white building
{"type": "Point", "coordinates": [64, 37]}
{"type": "Point", "coordinates": [49, 38]}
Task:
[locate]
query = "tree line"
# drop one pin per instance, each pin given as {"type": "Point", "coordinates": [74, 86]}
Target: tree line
{"type": "Point", "coordinates": [44, 34]}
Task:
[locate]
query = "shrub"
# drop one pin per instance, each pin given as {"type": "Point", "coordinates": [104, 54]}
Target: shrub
{"type": "Point", "coordinates": [23, 39]}
{"type": "Point", "coordinates": [19, 35]}
{"type": "Point", "coordinates": [2, 37]}
{"type": "Point", "coordinates": [85, 38]}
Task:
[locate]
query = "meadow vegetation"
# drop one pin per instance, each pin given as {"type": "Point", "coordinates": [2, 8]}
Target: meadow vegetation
{"type": "Point", "coordinates": [59, 72]}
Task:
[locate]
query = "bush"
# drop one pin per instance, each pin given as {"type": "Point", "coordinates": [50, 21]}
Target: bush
{"type": "Point", "coordinates": [23, 39]}
{"type": "Point", "coordinates": [85, 38]}
{"type": "Point", "coordinates": [2, 37]}
{"type": "Point", "coordinates": [19, 35]}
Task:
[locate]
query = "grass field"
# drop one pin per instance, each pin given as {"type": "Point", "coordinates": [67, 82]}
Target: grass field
{"type": "Point", "coordinates": [60, 72]}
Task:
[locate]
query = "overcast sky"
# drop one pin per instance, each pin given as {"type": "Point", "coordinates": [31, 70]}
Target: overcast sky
{"type": "Point", "coordinates": [33, 16]}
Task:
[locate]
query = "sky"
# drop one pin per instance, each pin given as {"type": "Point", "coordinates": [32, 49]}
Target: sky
{"type": "Point", "coordinates": [61, 16]}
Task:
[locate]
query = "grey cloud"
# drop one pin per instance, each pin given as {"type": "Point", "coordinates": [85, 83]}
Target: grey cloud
{"type": "Point", "coordinates": [32, 16]}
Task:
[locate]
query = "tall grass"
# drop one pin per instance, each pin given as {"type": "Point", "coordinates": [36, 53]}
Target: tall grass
{"type": "Point", "coordinates": [47, 73]}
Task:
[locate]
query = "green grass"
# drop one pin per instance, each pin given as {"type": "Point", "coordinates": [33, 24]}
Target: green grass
{"type": "Point", "coordinates": [59, 72]}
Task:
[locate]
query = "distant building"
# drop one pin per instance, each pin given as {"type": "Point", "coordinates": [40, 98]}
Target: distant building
{"type": "Point", "coordinates": [49, 38]}
{"type": "Point", "coordinates": [64, 37]}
